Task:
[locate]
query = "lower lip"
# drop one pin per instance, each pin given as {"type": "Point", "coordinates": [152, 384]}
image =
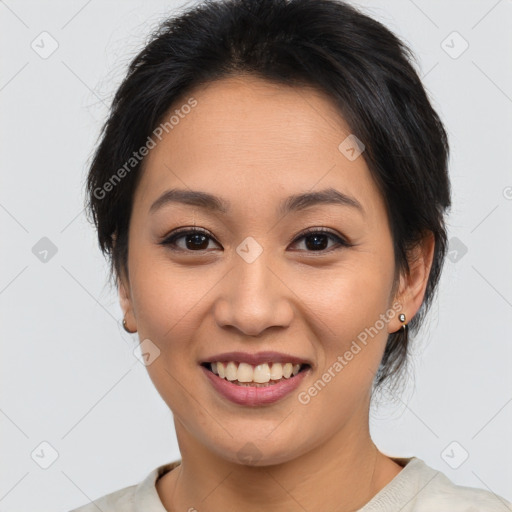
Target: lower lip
{"type": "Point", "coordinates": [252, 395]}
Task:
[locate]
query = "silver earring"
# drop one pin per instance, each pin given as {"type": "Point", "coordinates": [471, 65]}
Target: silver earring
{"type": "Point", "coordinates": [402, 319]}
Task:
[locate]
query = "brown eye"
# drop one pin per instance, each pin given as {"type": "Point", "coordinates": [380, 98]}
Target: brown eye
{"type": "Point", "coordinates": [317, 240]}
{"type": "Point", "coordinates": [194, 240]}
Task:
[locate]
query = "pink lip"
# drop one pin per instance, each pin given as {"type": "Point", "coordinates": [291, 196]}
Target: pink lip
{"type": "Point", "coordinates": [252, 395]}
{"type": "Point", "coordinates": [257, 358]}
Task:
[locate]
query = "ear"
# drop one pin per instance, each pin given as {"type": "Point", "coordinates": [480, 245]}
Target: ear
{"type": "Point", "coordinates": [412, 285]}
{"type": "Point", "coordinates": [125, 299]}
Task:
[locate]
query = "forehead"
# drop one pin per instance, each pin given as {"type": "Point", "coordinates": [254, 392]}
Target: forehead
{"type": "Point", "coordinates": [268, 113]}
{"type": "Point", "coordinates": [247, 138]}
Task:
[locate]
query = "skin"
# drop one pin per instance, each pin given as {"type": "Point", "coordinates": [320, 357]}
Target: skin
{"type": "Point", "coordinates": [253, 143]}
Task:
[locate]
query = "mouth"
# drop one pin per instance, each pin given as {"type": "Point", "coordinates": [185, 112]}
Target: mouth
{"type": "Point", "coordinates": [255, 375]}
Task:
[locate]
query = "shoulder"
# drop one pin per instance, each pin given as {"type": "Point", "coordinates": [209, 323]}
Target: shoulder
{"type": "Point", "coordinates": [437, 492]}
{"type": "Point", "coordinates": [443, 494]}
{"type": "Point", "coordinates": [141, 496]}
{"type": "Point", "coordinates": [121, 500]}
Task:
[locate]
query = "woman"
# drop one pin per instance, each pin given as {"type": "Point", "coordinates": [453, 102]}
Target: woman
{"type": "Point", "coordinates": [271, 188]}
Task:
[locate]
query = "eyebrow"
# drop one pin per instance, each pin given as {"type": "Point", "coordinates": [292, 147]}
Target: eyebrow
{"type": "Point", "coordinates": [293, 203]}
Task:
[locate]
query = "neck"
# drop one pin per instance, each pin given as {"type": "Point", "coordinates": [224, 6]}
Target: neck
{"type": "Point", "coordinates": [342, 474]}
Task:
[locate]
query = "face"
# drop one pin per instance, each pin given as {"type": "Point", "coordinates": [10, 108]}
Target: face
{"type": "Point", "coordinates": [251, 281]}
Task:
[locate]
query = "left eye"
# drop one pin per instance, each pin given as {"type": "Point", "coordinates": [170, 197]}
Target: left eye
{"type": "Point", "coordinates": [319, 238]}
{"type": "Point", "coordinates": [196, 240]}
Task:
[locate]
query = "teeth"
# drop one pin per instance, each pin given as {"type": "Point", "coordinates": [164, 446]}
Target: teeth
{"type": "Point", "coordinates": [245, 372]}
{"type": "Point", "coordinates": [231, 371]}
{"type": "Point", "coordinates": [260, 374]}
{"type": "Point", "coordinates": [276, 372]}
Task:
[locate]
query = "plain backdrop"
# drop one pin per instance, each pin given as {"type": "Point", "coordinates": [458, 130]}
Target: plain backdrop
{"type": "Point", "coordinates": [79, 416]}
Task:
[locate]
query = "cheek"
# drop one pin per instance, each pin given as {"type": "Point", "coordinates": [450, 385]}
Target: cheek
{"type": "Point", "coordinates": [165, 296]}
{"type": "Point", "coordinates": [167, 304]}
{"type": "Point", "coordinates": [349, 298]}
{"type": "Point", "coordinates": [352, 339]}
{"type": "Point", "coordinates": [350, 308]}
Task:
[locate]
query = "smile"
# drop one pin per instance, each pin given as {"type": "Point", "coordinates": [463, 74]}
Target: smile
{"type": "Point", "coordinates": [254, 385]}
{"type": "Point", "coordinates": [261, 375]}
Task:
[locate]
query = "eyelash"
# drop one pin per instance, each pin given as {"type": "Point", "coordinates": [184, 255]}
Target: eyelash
{"type": "Point", "coordinates": [170, 241]}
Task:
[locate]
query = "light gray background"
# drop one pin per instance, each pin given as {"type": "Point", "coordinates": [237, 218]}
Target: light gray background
{"type": "Point", "coordinates": [69, 375]}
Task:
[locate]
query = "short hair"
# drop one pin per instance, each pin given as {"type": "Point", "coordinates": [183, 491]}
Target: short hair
{"type": "Point", "coordinates": [365, 70]}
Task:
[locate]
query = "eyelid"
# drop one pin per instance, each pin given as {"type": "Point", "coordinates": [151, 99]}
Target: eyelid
{"type": "Point", "coordinates": [187, 229]}
{"type": "Point", "coordinates": [320, 230]}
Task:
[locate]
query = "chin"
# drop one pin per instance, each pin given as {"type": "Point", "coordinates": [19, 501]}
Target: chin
{"type": "Point", "coordinates": [258, 453]}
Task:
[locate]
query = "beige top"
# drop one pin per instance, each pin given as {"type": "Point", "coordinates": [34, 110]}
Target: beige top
{"type": "Point", "coordinates": [417, 488]}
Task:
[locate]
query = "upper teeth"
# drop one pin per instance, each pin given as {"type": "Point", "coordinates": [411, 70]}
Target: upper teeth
{"type": "Point", "coordinates": [243, 372]}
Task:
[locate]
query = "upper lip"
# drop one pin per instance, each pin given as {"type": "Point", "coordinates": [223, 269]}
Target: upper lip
{"type": "Point", "coordinates": [256, 358]}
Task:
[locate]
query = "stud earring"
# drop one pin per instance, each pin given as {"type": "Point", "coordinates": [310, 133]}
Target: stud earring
{"type": "Point", "coordinates": [402, 319]}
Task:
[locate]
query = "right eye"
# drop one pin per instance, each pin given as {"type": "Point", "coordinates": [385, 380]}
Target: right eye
{"type": "Point", "coordinates": [196, 240]}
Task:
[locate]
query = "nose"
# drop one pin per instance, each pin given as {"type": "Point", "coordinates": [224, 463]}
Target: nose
{"type": "Point", "coordinates": [253, 297]}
